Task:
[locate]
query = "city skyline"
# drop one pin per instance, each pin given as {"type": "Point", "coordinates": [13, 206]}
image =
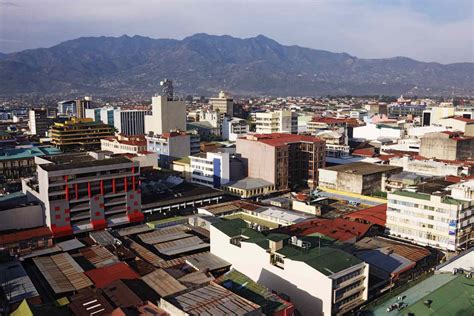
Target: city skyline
{"type": "Point", "coordinates": [422, 30]}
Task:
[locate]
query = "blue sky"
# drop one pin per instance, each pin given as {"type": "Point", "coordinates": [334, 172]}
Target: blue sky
{"type": "Point", "coordinates": [427, 30]}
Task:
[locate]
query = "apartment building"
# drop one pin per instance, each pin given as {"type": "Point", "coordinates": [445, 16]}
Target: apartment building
{"type": "Point", "coordinates": [292, 266]}
{"type": "Point", "coordinates": [285, 160]}
{"type": "Point", "coordinates": [167, 114]}
{"type": "Point", "coordinates": [79, 134]}
{"type": "Point", "coordinates": [85, 191]}
{"type": "Point", "coordinates": [435, 214]}
{"type": "Point", "coordinates": [211, 169]}
{"type": "Point", "coordinates": [282, 121]}
{"type": "Point", "coordinates": [233, 128]}
{"type": "Point", "coordinates": [173, 146]}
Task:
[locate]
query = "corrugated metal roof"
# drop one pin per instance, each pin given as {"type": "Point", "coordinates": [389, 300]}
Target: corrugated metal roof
{"type": "Point", "coordinates": [179, 246]}
{"type": "Point", "coordinates": [163, 283]}
{"type": "Point", "coordinates": [99, 256]}
{"type": "Point", "coordinates": [16, 284]}
{"type": "Point", "coordinates": [106, 275]}
{"type": "Point", "coordinates": [143, 253]}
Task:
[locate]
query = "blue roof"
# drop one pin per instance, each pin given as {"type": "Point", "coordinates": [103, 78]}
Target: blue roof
{"type": "Point", "coordinates": [24, 153]}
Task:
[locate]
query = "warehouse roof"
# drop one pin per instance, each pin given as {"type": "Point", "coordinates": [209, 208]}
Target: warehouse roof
{"type": "Point", "coordinates": [375, 215]}
{"type": "Point", "coordinates": [15, 282]}
{"type": "Point", "coordinates": [40, 232]}
{"type": "Point", "coordinates": [362, 168]}
{"type": "Point", "coordinates": [106, 275]}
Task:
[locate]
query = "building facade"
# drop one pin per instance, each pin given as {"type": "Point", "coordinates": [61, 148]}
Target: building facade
{"type": "Point", "coordinates": [79, 134]}
{"type": "Point", "coordinates": [447, 146]}
{"type": "Point", "coordinates": [127, 122]}
{"type": "Point", "coordinates": [38, 121]}
{"type": "Point", "coordinates": [122, 144]}
{"type": "Point", "coordinates": [167, 115]}
{"type": "Point", "coordinates": [172, 146]}
{"type": "Point", "coordinates": [441, 220]}
{"type": "Point", "coordinates": [210, 169]}
{"type": "Point", "coordinates": [86, 191]}
{"type": "Point", "coordinates": [223, 104]}
{"type": "Point", "coordinates": [282, 121]}
{"type": "Point", "coordinates": [285, 160]}
{"type": "Point", "coordinates": [233, 128]}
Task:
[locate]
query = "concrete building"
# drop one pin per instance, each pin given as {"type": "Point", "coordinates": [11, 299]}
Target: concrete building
{"type": "Point", "coordinates": [17, 163]}
{"type": "Point", "coordinates": [223, 103]}
{"type": "Point", "coordinates": [458, 124]}
{"type": "Point", "coordinates": [285, 160]}
{"type": "Point", "coordinates": [67, 107]}
{"type": "Point", "coordinates": [122, 144]}
{"type": "Point", "coordinates": [127, 122]}
{"type": "Point", "coordinates": [85, 191]}
{"type": "Point", "coordinates": [167, 114]}
{"type": "Point", "coordinates": [281, 121]}
{"type": "Point", "coordinates": [432, 167]}
{"type": "Point", "coordinates": [210, 169]}
{"type": "Point", "coordinates": [233, 128]}
{"type": "Point", "coordinates": [435, 214]}
{"type": "Point", "coordinates": [359, 177]}
{"type": "Point", "coordinates": [249, 187]}
{"type": "Point", "coordinates": [16, 213]}
{"type": "Point", "coordinates": [82, 105]}
{"type": "Point", "coordinates": [377, 108]}
{"type": "Point", "coordinates": [292, 266]}
{"type": "Point", "coordinates": [447, 146]}
{"type": "Point", "coordinates": [38, 122]}
{"type": "Point", "coordinates": [79, 134]}
{"type": "Point", "coordinates": [172, 146]}
{"type": "Point", "coordinates": [432, 115]}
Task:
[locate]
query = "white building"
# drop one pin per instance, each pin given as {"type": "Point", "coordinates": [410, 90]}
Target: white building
{"type": "Point", "coordinates": [281, 121]}
{"type": "Point", "coordinates": [233, 128]}
{"type": "Point", "coordinates": [378, 131]}
{"type": "Point", "coordinates": [223, 104]}
{"type": "Point", "coordinates": [431, 167]}
{"type": "Point", "coordinates": [122, 144]}
{"type": "Point", "coordinates": [440, 219]}
{"type": "Point", "coordinates": [127, 122]}
{"type": "Point", "coordinates": [319, 280]}
{"type": "Point", "coordinates": [210, 169]}
{"type": "Point", "coordinates": [173, 146]}
{"type": "Point", "coordinates": [38, 122]}
{"type": "Point", "coordinates": [167, 114]}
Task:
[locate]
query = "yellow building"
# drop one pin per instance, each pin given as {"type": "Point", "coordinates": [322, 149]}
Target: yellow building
{"type": "Point", "coordinates": [79, 134]}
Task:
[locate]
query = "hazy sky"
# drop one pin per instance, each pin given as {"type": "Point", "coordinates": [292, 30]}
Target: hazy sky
{"type": "Point", "coordinates": [427, 30]}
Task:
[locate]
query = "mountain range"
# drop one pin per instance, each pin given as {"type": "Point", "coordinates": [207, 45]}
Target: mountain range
{"type": "Point", "coordinates": [203, 64]}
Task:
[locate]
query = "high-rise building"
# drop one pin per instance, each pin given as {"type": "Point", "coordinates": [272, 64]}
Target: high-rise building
{"type": "Point", "coordinates": [126, 122]}
{"type": "Point", "coordinates": [79, 134]}
{"type": "Point", "coordinates": [435, 213]}
{"type": "Point", "coordinates": [38, 121]}
{"type": "Point", "coordinates": [281, 121]}
{"type": "Point", "coordinates": [223, 104]}
{"type": "Point", "coordinates": [86, 191]}
{"type": "Point", "coordinates": [285, 160]}
{"type": "Point", "coordinates": [67, 107]}
{"type": "Point", "coordinates": [82, 105]}
{"type": "Point", "coordinates": [168, 113]}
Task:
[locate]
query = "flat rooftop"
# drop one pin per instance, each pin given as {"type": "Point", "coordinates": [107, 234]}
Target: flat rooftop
{"type": "Point", "coordinates": [362, 168]}
{"type": "Point", "coordinates": [79, 161]}
{"type": "Point", "coordinates": [27, 153]}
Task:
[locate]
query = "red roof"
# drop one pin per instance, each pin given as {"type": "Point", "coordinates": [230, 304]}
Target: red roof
{"type": "Point", "coordinates": [25, 235]}
{"type": "Point", "coordinates": [102, 277]}
{"type": "Point", "coordinates": [333, 120]}
{"type": "Point", "coordinates": [463, 119]}
{"type": "Point", "coordinates": [374, 215]}
{"type": "Point", "coordinates": [282, 139]}
{"type": "Point", "coordinates": [338, 228]}
{"type": "Point", "coordinates": [365, 152]}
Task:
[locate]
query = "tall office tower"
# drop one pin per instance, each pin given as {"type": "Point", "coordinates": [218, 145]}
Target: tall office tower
{"type": "Point", "coordinates": [86, 191]}
{"type": "Point", "coordinates": [38, 121]}
{"type": "Point", "coordinates": [127, 122]}
{"type": "Point", "coordinates": [67, 107]}
{"type": "Point", "coordinates": [277, 122]}
{"type": "Point", "coordinates": [168, 113]}
{"type": "Point", "coordinates": [82, 105]}
{"type": "Point", "coordinates": [223, 104]}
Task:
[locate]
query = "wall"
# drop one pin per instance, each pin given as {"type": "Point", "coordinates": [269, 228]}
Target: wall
{"type": "Point", "coordinates": [259, 159]}
{"type": "Point", "coordinates": [22, 217]}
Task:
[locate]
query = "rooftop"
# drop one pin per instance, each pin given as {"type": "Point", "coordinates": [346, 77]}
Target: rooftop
{"type": "Point", "coordinates": [375, 215]}
{"type": "Point", "coordinates": [26, 153]}
{"type": "Point", "coordinates": [102, 277]}
{"type": "Point", "coordinates": [362, 168]}
{"type": "Point", "coordinates": [79, 160]}
{"type": "Point", "coordinates": [39, 232]}
{"type": "Point", "coordinates": [281, 139]}
{"type": "Point", "coordinates": [249, 184]}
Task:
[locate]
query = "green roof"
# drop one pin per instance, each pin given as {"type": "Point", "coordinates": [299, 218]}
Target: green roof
{"type": "Point", "coordinates": [415, 195]}
{"type": "Point", "coordinates": [326, 260]}
{"type": "Point", "coordinates": [253, 219]}
{"type": "Point", "coordinates": [25, 153]}
{"type": "Point", "coordinates": [278, 237]}
{"type": "Point", "coordinates": [245, 287]}
{"type": "Point", "coordinates": [237, 227]}
{"type": "Point", "coordinates": [453, 298]}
